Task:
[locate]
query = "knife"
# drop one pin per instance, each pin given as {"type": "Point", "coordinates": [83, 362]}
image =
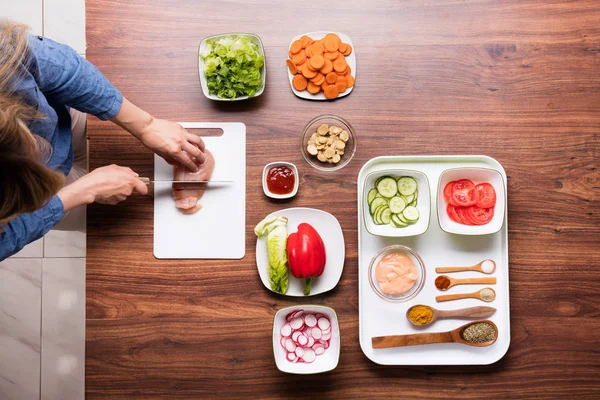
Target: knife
{"type": "Point", "coordinates": [147, 181]}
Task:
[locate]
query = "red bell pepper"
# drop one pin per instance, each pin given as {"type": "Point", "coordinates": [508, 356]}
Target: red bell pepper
{"type": "Point", "coordinates": [306, 254]}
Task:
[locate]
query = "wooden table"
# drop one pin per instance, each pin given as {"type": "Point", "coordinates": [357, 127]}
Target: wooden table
{"type": "Point", "coordinates": [516, 80]}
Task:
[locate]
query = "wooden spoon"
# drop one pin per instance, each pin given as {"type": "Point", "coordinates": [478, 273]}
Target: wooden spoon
{"type": "Point", "coordinates": [490, 267]}
{"type": "Point", "coordinates": [470, 312]}
{"type": "Point", "coordinates": [458, 296]}
{"type": "Point", "coordinates": [444, 282]}
{"type": "Point", "coordinates": [416, 339]}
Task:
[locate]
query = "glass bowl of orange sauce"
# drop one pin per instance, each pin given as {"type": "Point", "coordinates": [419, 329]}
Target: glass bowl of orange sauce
{"type": "Point", "coordinates": [397, 274]}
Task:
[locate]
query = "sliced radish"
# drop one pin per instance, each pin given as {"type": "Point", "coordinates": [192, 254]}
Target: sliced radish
{"type": "Point", "coordinates": [310, 320]}
{"type": "Point", "coordinates": [295, 335]}
{"type": "Point", "coordinates": [316, 333]}
{"type": "Point", "coordinates": [297, 313]}
{"type": "Point", "coordinates": [282, 341]}
{"type": "Point", "coordinates": [319, 349]}
{"type": "Point", "coordinates": [322, 322]}
{"type": "Point", "coordinates": [302, 340]}
{"type": "Point", "coordinates": [308, 331]}
{"type": "Point", "coordinates": [296, 323]}
{"type": "Point", "coordinates": [299, 351]}
{"type": "Point", "coordinates": [309, 355]}
{"type": "Point", "coordinates": [317, 316]}
{"type": "Point", "coordinates": [311, 341]}
{"type": "Point", "coordinates": [286, 330]}
{"type": "Point", "coordinates": [327, 330]}
{"type": "Point", "coordinates": [291, 356]}
{"type": "Point", "coordinates": [325, 343]}
{"type": "Point", "coordinates": [326, 336]}
{"type": "Point", "coordinates": [290, 345]}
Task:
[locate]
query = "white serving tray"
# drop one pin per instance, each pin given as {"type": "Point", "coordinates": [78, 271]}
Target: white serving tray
{"type": "Point", "coordinates": [351, 60]}
{"type": "Point", "coordinates": [437, 248]}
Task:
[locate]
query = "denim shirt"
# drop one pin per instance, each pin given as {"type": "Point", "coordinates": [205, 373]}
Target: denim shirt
{"type": "Point", "coordinates": [55, 79]}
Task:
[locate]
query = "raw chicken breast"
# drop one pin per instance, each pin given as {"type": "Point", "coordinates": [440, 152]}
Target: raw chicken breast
{"type": "Point", "coordinates": [187, 196]}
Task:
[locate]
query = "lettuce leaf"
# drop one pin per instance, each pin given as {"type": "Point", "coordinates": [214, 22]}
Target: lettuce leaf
{"type": "Point", "coordinates": [233, 67]}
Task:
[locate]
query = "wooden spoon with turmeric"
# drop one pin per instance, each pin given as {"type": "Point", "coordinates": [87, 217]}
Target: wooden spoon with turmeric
{"type": "Point", "coordinates": [422, 315]}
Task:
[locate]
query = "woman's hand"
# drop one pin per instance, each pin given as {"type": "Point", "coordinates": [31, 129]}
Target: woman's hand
{"type": "Point", "coordinates": [173, 143]}
{"type": "Point", "coordinates": [107, 185]}
{"type": "Point", "coordinates": [167, 139]}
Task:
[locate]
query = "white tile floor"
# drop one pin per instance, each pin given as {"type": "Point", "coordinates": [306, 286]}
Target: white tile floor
{"type": "Point", "coordinates": [42, 288]}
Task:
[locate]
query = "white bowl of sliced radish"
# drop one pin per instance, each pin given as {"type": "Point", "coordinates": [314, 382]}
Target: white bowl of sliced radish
{"type": "Point", "coordinates": [306, 339]}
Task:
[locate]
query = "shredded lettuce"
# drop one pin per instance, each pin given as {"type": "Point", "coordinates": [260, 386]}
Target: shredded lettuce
{"type": "Point", "coordinates": [233, 67]}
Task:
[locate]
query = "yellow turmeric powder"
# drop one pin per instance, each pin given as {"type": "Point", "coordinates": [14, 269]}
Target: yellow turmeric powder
{"type": "Point", "coordinates": [420, 314]}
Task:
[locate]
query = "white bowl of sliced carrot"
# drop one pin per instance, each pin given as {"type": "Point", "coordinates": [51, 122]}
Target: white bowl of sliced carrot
{"type": "Point", "coordinates": [321, 65]}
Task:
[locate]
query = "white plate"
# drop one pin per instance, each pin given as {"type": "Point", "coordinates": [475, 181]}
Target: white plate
{"type": "Point", "coordinates": [351, 60]}
{"type": "Point", "coordinates": [331, 232]}
{"type": "Point", "coordinates": [323, 363]}
{"type": "Point", "coordinates": [254, 39]}
{"type": "Point", "coordinates": [423, 205]}
{"type": "Point", "coordinates": [477, 175]}
{"type": "Point", "coordinates": [437, 248]}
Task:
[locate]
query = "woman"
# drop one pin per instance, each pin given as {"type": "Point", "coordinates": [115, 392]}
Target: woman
{"type": "Point", "coordinates": [45, 87]}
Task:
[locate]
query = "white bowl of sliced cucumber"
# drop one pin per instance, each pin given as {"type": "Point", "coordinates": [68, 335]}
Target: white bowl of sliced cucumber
{"type": "Point", "coordinates": [396, 203]}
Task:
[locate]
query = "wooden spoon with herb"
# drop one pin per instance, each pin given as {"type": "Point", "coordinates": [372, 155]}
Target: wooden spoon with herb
{"type": "Point", "coordinates": [434, 314]}
{"type": "Point", "coordinates": [478, 334]}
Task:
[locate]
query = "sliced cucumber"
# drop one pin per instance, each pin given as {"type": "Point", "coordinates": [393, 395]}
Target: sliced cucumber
{"type": "Point", "coordinates": [402, 219]}
{"type": "Point", "coordinates": [371, 196]}
{"type": "Point", "coordinates": [413, 203]}
{"type": "Point", "coordinates": [409, 198]}
{"type": "Point", "coordinates": [379, 215]}
{"type": "Point", "coordinates": [406, 185]}
{"type": "Point", "coordinates": [411, 213]}
{"type": "Point", "coordinates": [398, 222]}
{"type": "Point", "coordinates": [379, 180]}
{"type": "Point", "coordinates": [387, 187]}
{"type": "Point", "coordinates": [397, 204]}
{"type": "Point", "coordinates": [386, 216]}
{"type": "Point", "coordinates": [394, 224]}
{"type": "Point", "coordinates": [378, 202]}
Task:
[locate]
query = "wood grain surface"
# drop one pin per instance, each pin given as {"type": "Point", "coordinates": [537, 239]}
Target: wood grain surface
{"type": "Point", "coordinates": [516, 80]}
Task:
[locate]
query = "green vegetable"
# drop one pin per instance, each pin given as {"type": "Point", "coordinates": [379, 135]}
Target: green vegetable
{"type": "Point", "coordinates": [233, 67]}
{"type": "Point", "coordinates": [393, 201]}
{"type": "Point", "coordinates": [275, 229]}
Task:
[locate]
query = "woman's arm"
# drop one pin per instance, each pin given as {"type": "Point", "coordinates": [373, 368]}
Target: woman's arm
{"type": "Point", "coordinates": [66, 78]}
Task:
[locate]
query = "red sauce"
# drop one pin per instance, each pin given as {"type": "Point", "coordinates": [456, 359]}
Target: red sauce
{"type": "Point", "coordinates": [281, 180]}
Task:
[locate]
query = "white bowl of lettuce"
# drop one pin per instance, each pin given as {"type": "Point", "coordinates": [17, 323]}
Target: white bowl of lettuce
{"type": "Point", "coordinates": [232, 66]}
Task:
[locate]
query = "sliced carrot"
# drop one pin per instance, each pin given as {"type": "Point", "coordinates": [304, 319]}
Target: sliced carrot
{"type": "Point", "coordinates": [305, 41]}
{"type": "Point", "coordinates": [308, 73]}
{"type": "Point", "coordinates": [343, 73]}
{"type": "Point", "coordinates": [290, 54]}
{"type": "Point", "coordinates": [310, 66]}
{"type": "Point", "coordinates": [299, 82]}
{"type": "Point", "coordinates": [331, 92]}
{"type": "Point", "coordinates": [348, 71]}
{"type": "Point", "coordinates": [348, 50]}
{"type": "Point", "coordinates": [309, 50]}
{"type": "Point", "coordinates": [317, 61]}
{"type": "Point", "coordinates": [350, 80]}
{"type": "Point", "coordinates": [291, 67]}
{"type": "Point", "coordinates": [300, 57]}
{"type": "Point", "coordinates": [339, 65]}
{"type": "Point", "coordinates": [321, 80]}
{"type": "Point", "coordinates": [312, 88]}
{"type": "Point", "coordinates": [331, 77]}
{"type": "Point", "coordinates": [327, 68]}
{"type": "Point", "coordinates": [341, 83]}
{"type": "Point", "coordinates": [332, 55]}
{"type": "Point", "coordinates": [317, 48]}
{"type": "Point", "coordinates": [331, 42]}
{"type": "Point", "coordinates": [343, 47]}
{"type": "Point", "coordinates": [296, 46]}
{"type": "Point", "coordinates": [299, 67]}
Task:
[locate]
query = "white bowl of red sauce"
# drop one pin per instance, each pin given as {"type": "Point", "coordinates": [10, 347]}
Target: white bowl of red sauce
{"type": "Point", "coordinates": [280, 180]}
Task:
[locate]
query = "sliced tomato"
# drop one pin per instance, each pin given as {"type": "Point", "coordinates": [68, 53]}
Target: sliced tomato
{"type": "Point", "coordinates": [480, 216]}
{"type": "Point", "coordinates": [463, 193]}
{"type": "Point", "coordinates": [448, 192]}
{"type": "Point", "coordinates": [485, 195]}
{"type": "Point", "coordinates": [451, 211]}
{"type": "Point", "coordinates": [464, 216]}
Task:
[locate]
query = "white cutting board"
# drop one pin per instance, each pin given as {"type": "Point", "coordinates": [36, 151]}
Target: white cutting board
{"type": "Point", "coordinates": [218, 230]}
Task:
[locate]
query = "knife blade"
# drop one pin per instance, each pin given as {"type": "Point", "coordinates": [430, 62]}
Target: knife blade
{"type": "Point", "coordinates": [147, 181]}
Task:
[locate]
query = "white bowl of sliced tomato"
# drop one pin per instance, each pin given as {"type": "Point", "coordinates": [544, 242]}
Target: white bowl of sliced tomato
{"type": "Point", "coordinates": [471, 201]}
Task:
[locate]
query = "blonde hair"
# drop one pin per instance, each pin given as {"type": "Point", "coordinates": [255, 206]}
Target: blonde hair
{"type": "Point", "coordinates": [26, 183]}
